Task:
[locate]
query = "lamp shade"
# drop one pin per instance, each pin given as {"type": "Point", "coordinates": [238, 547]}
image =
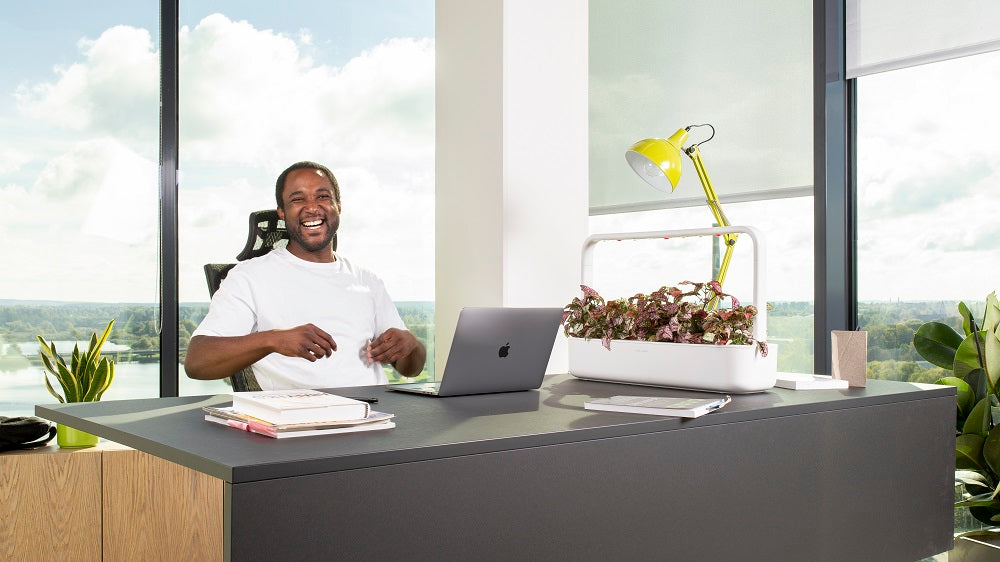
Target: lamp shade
{"type": "Point", "coordinates": [658, 161]}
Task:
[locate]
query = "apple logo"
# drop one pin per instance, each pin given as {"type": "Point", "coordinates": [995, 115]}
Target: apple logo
{"type": "Point", "coordinates": [504, 349]}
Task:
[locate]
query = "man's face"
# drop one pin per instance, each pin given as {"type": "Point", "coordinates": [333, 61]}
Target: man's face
{"type": "Point", "coordinates": [311, 214]}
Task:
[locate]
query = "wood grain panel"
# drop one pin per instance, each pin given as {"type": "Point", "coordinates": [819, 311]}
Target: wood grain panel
{"type": "Point", "coordinates": [157, 510]}
{"type": "Point", "coordinates": [50, 505]}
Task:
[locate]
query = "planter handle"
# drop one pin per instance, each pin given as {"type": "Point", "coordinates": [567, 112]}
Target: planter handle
{"type": "Point", "coordinates": [759, 259]}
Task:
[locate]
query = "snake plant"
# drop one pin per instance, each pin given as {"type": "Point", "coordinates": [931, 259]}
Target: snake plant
{"type": "Point", "coordinates": [88, 374]}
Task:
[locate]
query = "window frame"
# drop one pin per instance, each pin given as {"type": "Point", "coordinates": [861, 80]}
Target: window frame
{"type": "Point", "coordinates": [834, 201]}
{"type": "Point", "coordinates": [835, 271]}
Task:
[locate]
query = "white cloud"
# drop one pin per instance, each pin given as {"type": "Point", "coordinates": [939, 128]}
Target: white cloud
{"type": "Point", "coordinates": [928, 174]}
{"type": "Point", "coordinates": [252, 102]}
{"type": "Point", "coordinates": [12, 159]}
{"type": "Point", "coordinates": [113, 90]}
{"type": "Point", "coordinates": [251, 97]}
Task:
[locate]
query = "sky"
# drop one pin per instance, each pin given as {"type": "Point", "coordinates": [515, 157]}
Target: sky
{"type": "Point", "coordinates": [350, 84]}
{"type": "Point", "coordinates": [347, 84]}
{"type": "Point", "coordinates": [929, 177]}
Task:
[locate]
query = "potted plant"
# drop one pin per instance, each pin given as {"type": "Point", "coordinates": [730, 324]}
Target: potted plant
{"type": "Point", "coordinates": [972, 358]}
{"type": "Point", "coordinates": [670, 337]}
{"type": "Point", "coordinates": [84, 379]}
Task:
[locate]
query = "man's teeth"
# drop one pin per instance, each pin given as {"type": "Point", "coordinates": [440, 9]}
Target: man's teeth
{"type": "Point", "coordinates": [312, 223]}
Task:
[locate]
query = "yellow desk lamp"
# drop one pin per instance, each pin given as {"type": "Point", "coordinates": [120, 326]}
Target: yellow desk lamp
{"type": "Point", "coordinates": [658, 163]}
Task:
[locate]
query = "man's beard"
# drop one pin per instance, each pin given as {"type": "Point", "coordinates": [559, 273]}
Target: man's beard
{"type": "Point", "coordinates": [295, 235]}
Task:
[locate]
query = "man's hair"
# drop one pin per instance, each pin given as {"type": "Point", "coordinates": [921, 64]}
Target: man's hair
{"type": "Point", "coordinates": [279, 186]}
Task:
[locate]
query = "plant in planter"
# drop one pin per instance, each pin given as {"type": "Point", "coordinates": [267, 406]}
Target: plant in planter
{"type": "Point", "coordinates": [659, 339]}
{"type": "Point", "coordinates": [84, 379]}
{"type": "Point", "coordinates": [662, 316]}
{"type": "Point", "coordinates": [974, 361]}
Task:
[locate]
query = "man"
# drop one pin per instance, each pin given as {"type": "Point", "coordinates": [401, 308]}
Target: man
{"type": "Point", "coordinates": [303, 315]}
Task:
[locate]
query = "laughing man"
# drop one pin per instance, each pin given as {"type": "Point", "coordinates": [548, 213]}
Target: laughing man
{"type": "Point", "coordinates": [304, 316]}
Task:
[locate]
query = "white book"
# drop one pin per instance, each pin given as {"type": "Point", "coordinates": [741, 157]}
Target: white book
{"type": "Point", "coordinates": [804, 381]}
{"type": "Point", "coordinates": [658, 405]}
{"type": "Point", "coordinates": [230, 413]}
{"type": "Point", "coordinates": [262, 429]}
{"type": "Point", "coordinates": [298, 406]}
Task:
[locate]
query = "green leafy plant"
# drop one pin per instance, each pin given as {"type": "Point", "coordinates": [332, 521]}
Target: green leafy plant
{"type": "Point", "coordinates": [974, 361]}
{"type": "Point", "coordinates": [87, 376]}
{"type": "Point", "coordinates": [669, 314]}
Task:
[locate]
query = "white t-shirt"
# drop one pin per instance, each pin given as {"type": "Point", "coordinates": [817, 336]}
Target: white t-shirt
{"type": "Point", "coordinates": [281, 291]}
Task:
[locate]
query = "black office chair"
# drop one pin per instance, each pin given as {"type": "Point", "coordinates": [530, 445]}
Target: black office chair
{"type": "Point", "coordinates": [266, 231]}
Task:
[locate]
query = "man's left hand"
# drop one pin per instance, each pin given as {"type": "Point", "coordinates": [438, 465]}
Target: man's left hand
{"type": "Point", "coordinates": [392, 345]}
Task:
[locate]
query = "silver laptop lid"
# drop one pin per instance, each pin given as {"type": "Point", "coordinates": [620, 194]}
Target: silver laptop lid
{"type": "Point", "coordinates": [500, 350]}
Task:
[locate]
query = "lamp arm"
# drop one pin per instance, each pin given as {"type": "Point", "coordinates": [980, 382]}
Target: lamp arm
{"type": "Point", "coordinates": [713, 203]}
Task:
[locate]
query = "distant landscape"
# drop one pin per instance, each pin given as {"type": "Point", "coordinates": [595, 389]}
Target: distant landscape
{"type": "Point", "coordinates": [136, 328]}
{"type": "Point", "coordinates": [890, 327]}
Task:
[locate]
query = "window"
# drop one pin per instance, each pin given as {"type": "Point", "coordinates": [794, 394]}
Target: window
{"type": "Point", "coordinates": [656, 67]}
{"type": "Point", "coordinates": [78, 153]}
{"type": "Point", "coordinates": [263, 86]}
{"type": "Point", "coordinates": [928, 169]}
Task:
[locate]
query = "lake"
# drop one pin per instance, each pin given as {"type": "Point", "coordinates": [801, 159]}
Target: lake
{"type": "Point", "coordinates": [20, 390]}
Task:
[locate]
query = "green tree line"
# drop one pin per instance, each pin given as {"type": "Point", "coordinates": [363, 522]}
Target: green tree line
{"type": "Point", "coordinates": [138, 326]}
{"type": "Point", "coordinates": [890, 327]}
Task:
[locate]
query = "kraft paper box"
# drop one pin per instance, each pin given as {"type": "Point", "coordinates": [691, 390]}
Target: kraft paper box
{"type": "Point", "coordinates": [850, 356]}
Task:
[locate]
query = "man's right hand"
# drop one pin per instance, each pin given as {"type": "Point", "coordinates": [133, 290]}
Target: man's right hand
{"type": "Point", "coordinates": [216, 357]}
{"type": "Point", "coordinates": [306, 341]}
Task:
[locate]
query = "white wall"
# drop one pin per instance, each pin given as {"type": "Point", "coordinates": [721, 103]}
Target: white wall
{"type": "Point", "coordinates": [512, 183]}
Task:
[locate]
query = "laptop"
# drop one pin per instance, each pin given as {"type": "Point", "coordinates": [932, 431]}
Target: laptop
{"type": "Point", "coordinates": [495, 350]}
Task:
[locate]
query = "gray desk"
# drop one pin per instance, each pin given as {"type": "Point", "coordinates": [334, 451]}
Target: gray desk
{"type": "Point", "coordinates": [860, 474]}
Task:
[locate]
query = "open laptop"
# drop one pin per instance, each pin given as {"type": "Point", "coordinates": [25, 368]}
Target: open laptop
{"type": "Point", "coordinates": [495, 350]}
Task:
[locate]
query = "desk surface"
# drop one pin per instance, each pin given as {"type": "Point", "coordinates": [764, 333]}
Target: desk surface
{"type": "Point", "coordinates": [432, 428]}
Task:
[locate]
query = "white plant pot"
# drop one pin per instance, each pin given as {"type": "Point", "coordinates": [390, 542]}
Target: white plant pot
{"type": "Point", "coordinates": [736, 369]}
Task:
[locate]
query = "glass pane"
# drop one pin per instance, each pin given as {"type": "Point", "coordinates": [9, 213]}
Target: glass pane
{"type": "Point", "coordinates": [347, 84]}
{"type": "Point", "coordinates": [78, 173]}
{"type": "Point", "coordinates": [656, 67]}
{"type": "Point", "coordinates": [927, 180]}
{"type": "Point", "coordinates": [622, 269]}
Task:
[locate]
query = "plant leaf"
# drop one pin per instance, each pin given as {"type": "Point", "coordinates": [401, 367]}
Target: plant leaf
{"type": "Point", "coordinates": [48, 385]}
{"type": "Point", "coordinates": [969, 452]}
{"type": "Point", "coordinates": [982, 500]}
{"type": "Point", "coordinates": [47, 363]}
{"type": "Point", "coordinates": [991, 450]}
{"type": "Point", "coordinates": [977, 382]}
{"type": "Point", "coordinates": [967, 355]}
{"type": "Point", "coordinates": [108, 379]}
{"type": "Point", "coordinates": [979, 420]}
{"type": "Point", "coordinates": [100, 381]}
{"type": "Point", "coordinates": [937, 343]}
{"type": "Point", "coordinates": [70, 384]}
{"type": "Point", "coordinates": [973, 478]}
{"type": "Point", "coordinates": [966, 397]}
{"type": "Point", "coordinates": [992, 315]}
{"type": "Point", "coordinates": [966, 314]}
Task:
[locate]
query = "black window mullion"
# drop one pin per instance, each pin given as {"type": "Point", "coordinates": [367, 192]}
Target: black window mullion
{"type": "Point", "coordinates": [169, 294]}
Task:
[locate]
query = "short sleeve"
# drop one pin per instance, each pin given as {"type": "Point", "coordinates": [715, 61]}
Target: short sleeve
{"type": "Point", "coordinates": [232, 311]}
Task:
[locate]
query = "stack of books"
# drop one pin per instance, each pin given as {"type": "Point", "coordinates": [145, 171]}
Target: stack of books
{"type": "Point", "coordinates": [297, 413]}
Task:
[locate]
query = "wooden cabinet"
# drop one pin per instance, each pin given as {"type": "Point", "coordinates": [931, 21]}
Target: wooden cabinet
{"type": "Point", "coordinates": [108, 502]}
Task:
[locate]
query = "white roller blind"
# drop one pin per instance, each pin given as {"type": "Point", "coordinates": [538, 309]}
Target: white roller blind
{"type": "Point", "coordinates": [659, 65]}
{"type": "Point", "coordinates": [891, 34]}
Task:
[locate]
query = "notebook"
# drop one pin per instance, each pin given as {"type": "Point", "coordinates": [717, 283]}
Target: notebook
{"type": "Point", "coordinates": [495, 350]}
